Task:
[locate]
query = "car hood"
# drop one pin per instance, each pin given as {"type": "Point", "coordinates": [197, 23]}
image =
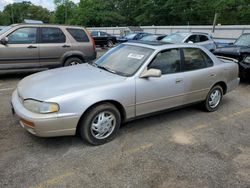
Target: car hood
{"type": "Point", "coordinates": [231, 50]}
{"type": "Point", "coordinates": [52, 83]}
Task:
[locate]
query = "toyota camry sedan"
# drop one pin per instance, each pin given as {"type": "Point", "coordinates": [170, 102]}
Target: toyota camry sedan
{"type": "Point", "coordinates": [129, 81]}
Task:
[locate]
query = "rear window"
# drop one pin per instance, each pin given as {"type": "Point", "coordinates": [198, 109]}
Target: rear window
{"type": "Point", "coordinates": [78, 34]}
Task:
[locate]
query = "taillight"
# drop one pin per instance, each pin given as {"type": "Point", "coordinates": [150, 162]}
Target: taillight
{"type": "Point", "coordinates": [92, 40]}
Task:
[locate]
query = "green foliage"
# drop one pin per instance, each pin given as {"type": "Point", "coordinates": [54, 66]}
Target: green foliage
{"type": "Point", "coordinates": [132, 12]}
{"type": "Point", "coordinates": [17, 12]}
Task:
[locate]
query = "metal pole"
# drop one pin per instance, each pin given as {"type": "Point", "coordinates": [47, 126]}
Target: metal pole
{"type": "Point", "coordinates": [65, 6]}
{"type": "Point", "coordinates": [12, 14]}
{"type": "Point", "coordinates": [215, 20]}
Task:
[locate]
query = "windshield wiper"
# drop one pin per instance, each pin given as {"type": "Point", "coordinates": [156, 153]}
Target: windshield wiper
{"type": "Point", "coordinates": [104, 68]}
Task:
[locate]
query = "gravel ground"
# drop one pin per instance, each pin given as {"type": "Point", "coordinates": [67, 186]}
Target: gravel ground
{"type": "Point", "coordinates": [182, 148]}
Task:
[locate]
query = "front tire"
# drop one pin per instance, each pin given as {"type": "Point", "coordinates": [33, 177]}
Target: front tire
{"type": "Point", "coordinates": [213, 99]}
{"type": "Point", "coordinates": [100, 124]}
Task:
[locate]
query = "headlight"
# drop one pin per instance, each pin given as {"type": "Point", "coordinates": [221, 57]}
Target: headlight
{"type": "Point", "coordinates": [247, 60]}
{"type": "Point", "coordinates": [40, 107]}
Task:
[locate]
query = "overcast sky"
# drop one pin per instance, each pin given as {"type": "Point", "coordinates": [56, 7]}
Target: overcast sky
{"type": "Point", "coordinates": [45, 3]}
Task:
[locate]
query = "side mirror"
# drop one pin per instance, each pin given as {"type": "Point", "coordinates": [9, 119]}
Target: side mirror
{"type": "Point", "coordinates": [151, 73]}
{"type": "Point", "coordinates": [4, 40]}
{"type": "Point", "coordinates": [190, 42]}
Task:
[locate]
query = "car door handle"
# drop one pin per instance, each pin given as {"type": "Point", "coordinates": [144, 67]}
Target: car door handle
{"type": "Point", "coordinates": [31, 46]}
{"type": "Point", "coordinates": [179, 80]}
{"type": "Point", "coordinates": [66, 46]}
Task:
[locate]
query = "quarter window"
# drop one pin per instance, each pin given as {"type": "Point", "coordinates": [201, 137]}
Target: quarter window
{"type": "Point", "coordinates": [52, 35]}
{"type": "Point", "coordinates": [195, 59]}
{"type": "Point", "coordinates": [167, 61]}
{"type": "Point", "coordinates": [23, 36]}
{"type": "Point", "coordinates": [78, 34]}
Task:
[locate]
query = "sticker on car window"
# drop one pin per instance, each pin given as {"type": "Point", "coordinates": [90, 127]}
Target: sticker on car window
{"type": "Point", "coordinates": [135, 56]}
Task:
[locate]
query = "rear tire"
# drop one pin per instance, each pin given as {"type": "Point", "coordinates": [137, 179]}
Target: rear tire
{"type": "Point", "coordinates": [213, 99]}
{"type": "Point", "coordinates": [110, 43]}
{"type": "Point", "coordinates": [100, 124]}
{"type": "Point", "coordinates": [73, 61]}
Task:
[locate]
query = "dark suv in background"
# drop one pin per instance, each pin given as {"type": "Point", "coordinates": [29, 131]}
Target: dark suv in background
{"type": "Point", "coordinates": [30, 46]}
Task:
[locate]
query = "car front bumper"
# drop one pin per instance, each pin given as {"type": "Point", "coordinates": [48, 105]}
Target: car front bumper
{"type": "Point", "coordinates": [44, 125]}
{"type": "Point", "coordinates": [244, 70]}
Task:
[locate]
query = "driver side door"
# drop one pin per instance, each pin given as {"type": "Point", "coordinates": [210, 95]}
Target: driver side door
{"type": "Point", "coordinates": [21, 51]}
{"type": "Point", "coordinates": [159, 93]}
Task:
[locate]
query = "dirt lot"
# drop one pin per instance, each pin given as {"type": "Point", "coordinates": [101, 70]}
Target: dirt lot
{"type": "Point", "coordinates": [182, 148]}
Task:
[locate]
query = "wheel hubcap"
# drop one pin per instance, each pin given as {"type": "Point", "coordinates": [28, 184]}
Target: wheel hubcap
{"type": "Point", "coordinates": [74, 63]}
{"type": "Point", "coordinates": [110, 44]}
{"type": "Point", "coordinates": [214, 98]}
{"type": "Point", "coordinates": [103, 125]}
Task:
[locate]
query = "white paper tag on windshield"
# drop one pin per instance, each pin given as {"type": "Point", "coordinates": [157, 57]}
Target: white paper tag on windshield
{"type": "Point", "coordinates": [135, 56]}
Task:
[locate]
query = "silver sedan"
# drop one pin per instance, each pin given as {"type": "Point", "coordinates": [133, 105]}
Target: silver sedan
{"type": "Point", "coordinates": [129, 81]}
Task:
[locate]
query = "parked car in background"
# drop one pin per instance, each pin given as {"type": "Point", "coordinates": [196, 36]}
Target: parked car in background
{"type": "Point", "coordinates": [202, 39]}
{"type": "Point", "coordinates": [132, 36]}
{"type": "Point", "coordinates": [39, 46]}
{"type": "Point", "coordinates": [2, 27]}
{"type": "Point", "coordinates": [129, 81]}
{"type": "Point", "coordinates": [239, 50]}
{"type": "Point", "coordinates": [103, 39]}
{"type": "Point", "coordinates": [153, 38]}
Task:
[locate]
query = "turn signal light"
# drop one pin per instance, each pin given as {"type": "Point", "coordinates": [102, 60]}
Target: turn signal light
{"type": "Point", "coordinates": [28, 123]}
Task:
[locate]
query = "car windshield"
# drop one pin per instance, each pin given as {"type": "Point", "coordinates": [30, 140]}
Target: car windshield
{"type": "Point", "coordinates": [175, 38]}
{"type": "Point", "coordinates": [130, 36]}
{"type": "Point", "coordinates": [124, 59]}
{"type": "Point", "coordinates": [5, 29]}
{"type": "Point", "coordinates": [243, 40]}
{"type": "Point", "coordinates": [150, 38]}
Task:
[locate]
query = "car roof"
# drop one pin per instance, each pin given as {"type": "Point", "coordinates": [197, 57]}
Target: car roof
{"type": "Point", "coordinates": [245, 33]}
{"type": "Point", "coordinates": [45, 25]}
{"type": "Point", "coordinates": [193, 32]}
{"type": "Point", "coordinates": [160, 45]}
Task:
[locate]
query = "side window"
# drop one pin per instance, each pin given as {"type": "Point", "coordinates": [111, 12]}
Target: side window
{"type": "Point", "coordinates": [103, 34]}
{"type": "Point", "coordinates": [23, 36]}
{"type": "Point", "coordinates": [78, 34]}
{"type": "Point", "coordinates": [52, 35]}
{"type": "Point", "coordinates": [193, 38]}
{"type": "Point", "coordinates": [195, 59]}
{"type": "Point", "coordinates": [94, 33]}
{"type": "Point", "coordinates": [203, 38]}
{"type": "Point", "coordinates": [167, 61]}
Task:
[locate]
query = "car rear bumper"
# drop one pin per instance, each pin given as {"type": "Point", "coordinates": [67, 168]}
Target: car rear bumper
{"type": "Point", "coordinates": [233, 84]}
{"type": "Point", "coordinates": [43, 125]}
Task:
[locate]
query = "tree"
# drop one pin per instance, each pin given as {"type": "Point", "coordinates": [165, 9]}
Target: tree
{"type": "Point", "coordinates": [17, 12]}
{"type": "Point", "coordinates": [65, 12]}
{"type": "Point", "coordinates": [99, 13]}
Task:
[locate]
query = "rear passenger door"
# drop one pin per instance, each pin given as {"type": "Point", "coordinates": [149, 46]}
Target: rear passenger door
{"type": "Point", "coordinates": [198, 74]}
{"type": "Point", "coordinates": [53, 44]}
